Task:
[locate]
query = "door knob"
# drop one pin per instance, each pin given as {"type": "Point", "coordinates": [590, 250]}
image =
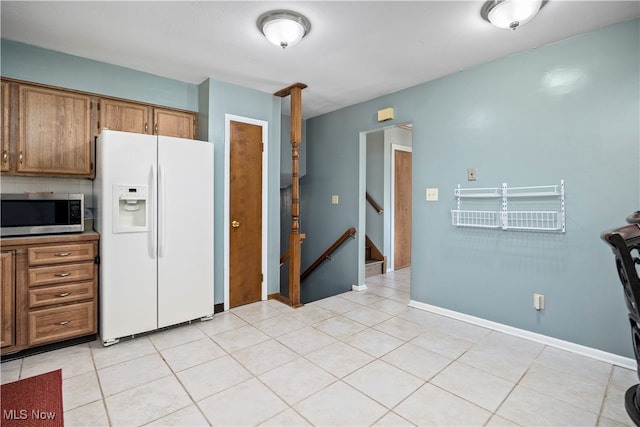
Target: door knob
{"type": "Point", "coordinates": [235, 224]}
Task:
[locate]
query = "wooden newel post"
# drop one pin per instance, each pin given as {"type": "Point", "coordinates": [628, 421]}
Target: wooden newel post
{"type": "Point", "coordinates": [295, 240]}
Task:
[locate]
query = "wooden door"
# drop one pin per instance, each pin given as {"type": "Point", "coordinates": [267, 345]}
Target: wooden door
{"type": "Point", "coordinates": [7, 288]}
{"type": "Point", "coordinates": [124, 116]}
{"type": "Point", "coordinates": [402, 210]}
{"type": "Point", "coordinates": [245, 213]}
{"type": "Point", "coordinates": [4, 136]}
{"type": "Point", "coordinates": [174, 123]}
{"type": "Point", "coordinates": [55, 132]}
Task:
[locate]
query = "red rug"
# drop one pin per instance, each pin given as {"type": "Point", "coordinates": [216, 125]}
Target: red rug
{"type": "Point", "coordinates": [35, 401]}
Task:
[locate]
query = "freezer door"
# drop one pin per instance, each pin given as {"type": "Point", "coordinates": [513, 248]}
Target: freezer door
{"type": "Point", "coordinates": [185, 230]}
{"type": "Point", "coordinates": [128, 261]}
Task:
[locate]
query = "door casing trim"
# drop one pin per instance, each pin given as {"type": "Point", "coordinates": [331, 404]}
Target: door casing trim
{"type": "Point", "coordinates": [362, 188]}
{"type": "Point", "coordinates": [228, 118]}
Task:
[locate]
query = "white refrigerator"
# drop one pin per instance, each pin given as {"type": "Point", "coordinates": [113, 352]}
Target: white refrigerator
{"type": "Point", "coordinates": [154, 214]}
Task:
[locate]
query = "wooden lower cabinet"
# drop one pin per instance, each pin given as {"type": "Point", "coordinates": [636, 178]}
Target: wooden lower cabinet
{"type": "Point", "coordinates": [62, 322]}
{"type": "Point", "coordinates": [55, 282]}
{"type": "Point", "coordinates": [7, 304]}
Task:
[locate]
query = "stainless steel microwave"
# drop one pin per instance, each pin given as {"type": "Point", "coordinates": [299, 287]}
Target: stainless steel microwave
{"type": "Point", "coordinates": [41, 213]}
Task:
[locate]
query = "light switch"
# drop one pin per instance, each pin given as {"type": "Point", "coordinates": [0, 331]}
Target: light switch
{"type": "Point", "coordinates": [335, 199]}
{"type": "Point", "coordinates": [432, 194]}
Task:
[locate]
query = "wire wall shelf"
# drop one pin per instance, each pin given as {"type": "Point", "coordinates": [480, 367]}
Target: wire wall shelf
{"type": "Point", "coordinates": [481, 219]}
{"type": "Point", "coordinates": [534, 220]}
{"type": "Point", "coordinates": [506, 219]}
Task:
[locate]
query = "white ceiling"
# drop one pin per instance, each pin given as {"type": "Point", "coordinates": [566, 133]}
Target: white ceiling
{"type": "Point", "coordinates": [356, 50]}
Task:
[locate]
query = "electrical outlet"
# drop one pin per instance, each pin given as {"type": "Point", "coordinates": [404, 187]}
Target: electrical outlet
{"type": "Point", "coordinates": [335, 199]}
{"type": "Point", "coordinates": [432, 194]}
{"type": "Point", "coordinates": [538, 301]}
{"type": "Point", "coordinates": [471, 174]}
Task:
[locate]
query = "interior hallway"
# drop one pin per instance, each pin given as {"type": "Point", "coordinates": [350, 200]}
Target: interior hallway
{"type": "Point", "coordinates": [359, 358]}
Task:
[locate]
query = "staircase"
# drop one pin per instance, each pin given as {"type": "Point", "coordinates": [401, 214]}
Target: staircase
{"type": "Point", "coordinates": [375, 262]}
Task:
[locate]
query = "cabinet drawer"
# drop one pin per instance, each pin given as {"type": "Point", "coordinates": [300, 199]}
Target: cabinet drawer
{"type": "Point", "coordinates": [52, 295]}
{"type": "Point", "coordinates": [60, 274]}
{"type": "Point", "coordinates": [43, 255]}
{"type": "Point", "coordinates": [59, 323]}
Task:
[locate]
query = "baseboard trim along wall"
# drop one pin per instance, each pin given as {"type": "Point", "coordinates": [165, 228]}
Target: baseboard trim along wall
{"type": "Point", "coordinates": [614, 359]}
{"type": "Point", "coordinates": [359, 287]}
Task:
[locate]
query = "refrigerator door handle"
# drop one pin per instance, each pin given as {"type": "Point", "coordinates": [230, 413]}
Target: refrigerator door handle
{"type": "Point", "coordinates": [152, 216]}
{"type": "Point", "coordinates": [161, 211]}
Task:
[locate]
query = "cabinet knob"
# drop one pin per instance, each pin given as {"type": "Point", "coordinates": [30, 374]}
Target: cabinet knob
{"type": "Point", "coordinates": [20, 157]}
{"type": "Point", "coordinates": [5, 156]}
{"type": "Point", "coordinates": [63, 274]}
{"type": "Point", "coordinates": [64, 322]}
{"type": "Point", "coordinates": [64, 294]}
{"type": "Point", "coordinates": [156, 128]}
{"type": "Point", "coordinates": [63, 254]}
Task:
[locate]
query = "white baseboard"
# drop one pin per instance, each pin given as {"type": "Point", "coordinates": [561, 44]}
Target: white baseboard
{"type": "Point", "coordinates": [359, 287]}
{"type": "Point", "coordinates": [614, 359]}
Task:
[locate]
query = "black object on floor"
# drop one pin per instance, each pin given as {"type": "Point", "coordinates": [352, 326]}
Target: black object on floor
{"type": "Point", "coordinates": [625, 243]}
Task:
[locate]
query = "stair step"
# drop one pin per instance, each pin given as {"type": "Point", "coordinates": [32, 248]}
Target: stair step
{"type": "Point", "coordinates": [372, 267]}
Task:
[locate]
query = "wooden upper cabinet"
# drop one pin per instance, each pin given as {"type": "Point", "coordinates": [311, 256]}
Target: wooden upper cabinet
{"type": "Point", "coordinates": [50, 131]}
{"type": "Point", "coordinates": [124, 116]}
{"type": "Point", "coordinates": [4, 136]}
{"type": "Point", "coordinates": [54, 132]}
{"type": "Point", "coordinates": [140, 118]}
{"type": "Point", "coordinates": [174, 123]}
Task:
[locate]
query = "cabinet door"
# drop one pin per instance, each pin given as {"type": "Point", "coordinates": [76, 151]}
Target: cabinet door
{"type": "Point", "coordinates": [55, 132]}
{"type": "Point", "coordinates": [7, 304]}
{"type": "Point", "coordinates": [123, 116]}
{"type": "Point", "coordinates": [174, 123]}
{"type": "Point", "coordinates": [4, 136]}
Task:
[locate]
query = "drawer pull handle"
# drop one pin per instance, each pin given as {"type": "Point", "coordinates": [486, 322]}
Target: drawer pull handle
{"type": "Point", "coordinates": [64, 294]}
{"type": "Point", "coordinates": [64, 322]}
{"type": "Point", "coordinates": [63, 274]}
{"type": "Point", "coordinates": [63, 254]}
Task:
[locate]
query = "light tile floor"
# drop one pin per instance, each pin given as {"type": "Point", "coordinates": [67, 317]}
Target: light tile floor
{"type": "Point", "coordinates": [359, 358]}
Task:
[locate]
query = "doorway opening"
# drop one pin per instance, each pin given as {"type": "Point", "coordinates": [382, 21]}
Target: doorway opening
{"type": "Point", "coordinates": [385, 178]}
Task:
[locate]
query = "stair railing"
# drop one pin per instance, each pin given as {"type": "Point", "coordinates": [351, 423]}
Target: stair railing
{"type": "Point", "coordinates": [373, 204]}
{"type": "Point", "coordinates": [284, 258]}
{"type": "Point", "coordinates": [351, 232]}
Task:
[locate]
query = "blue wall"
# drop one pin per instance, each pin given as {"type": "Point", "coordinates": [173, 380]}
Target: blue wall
{"type": "Point", "coordinates": [568, 111]}
{"type": "Point", "coordinates": [33, 64]}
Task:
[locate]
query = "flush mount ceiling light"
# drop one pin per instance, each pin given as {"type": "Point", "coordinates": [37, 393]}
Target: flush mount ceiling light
{"type": "Point", "coordinates": [283, 27]}
{"type": "Point", "coordinates": [510, 14]}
